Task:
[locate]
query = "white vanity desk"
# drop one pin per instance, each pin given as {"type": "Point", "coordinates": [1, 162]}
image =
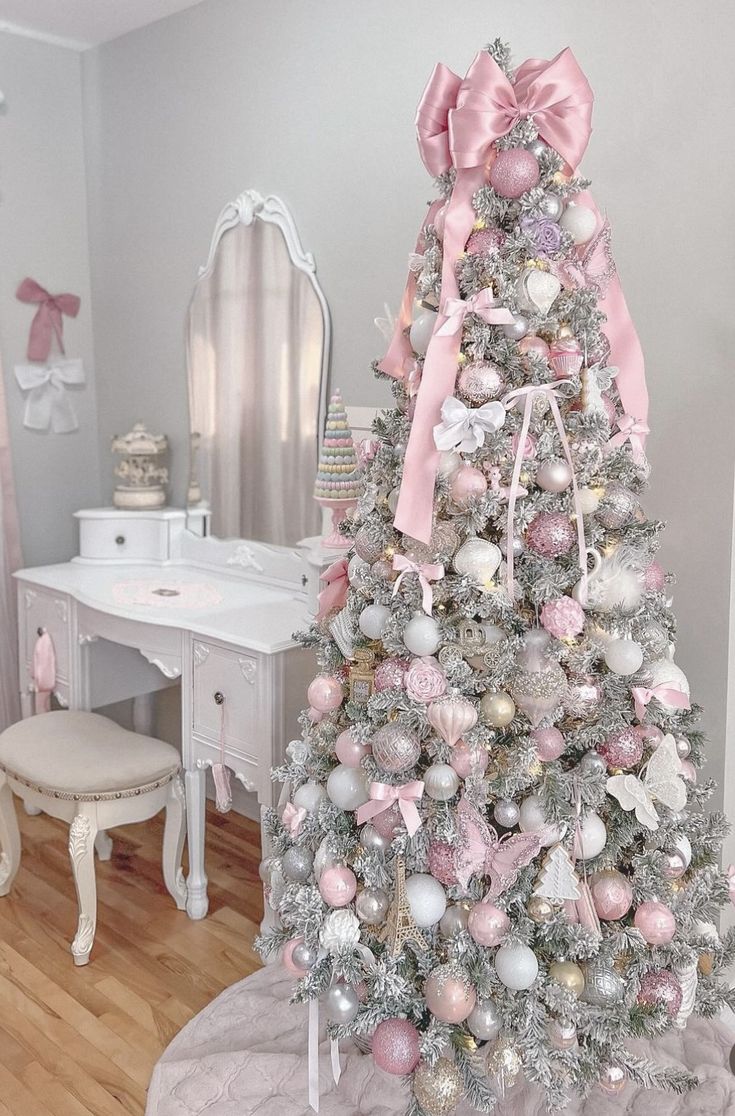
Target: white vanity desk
{"type": "Point", "coordinates": [223, 625]}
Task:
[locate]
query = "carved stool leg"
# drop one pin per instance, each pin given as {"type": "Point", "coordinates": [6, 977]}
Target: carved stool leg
{"type": "Point", "coordinates": [196, 903]}
{"type": "Point", "coordinates": [174, 832]}
{"type": "Point", "coordinates": [103, 845]}
{"type": "Point", "coordinates": [9, 838]}
{"type": "Point", "coordinates": [82, 835]}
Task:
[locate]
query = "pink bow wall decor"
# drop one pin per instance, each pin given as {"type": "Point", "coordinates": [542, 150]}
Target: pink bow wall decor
{"type": "Point", "coordinates": [48, 319]}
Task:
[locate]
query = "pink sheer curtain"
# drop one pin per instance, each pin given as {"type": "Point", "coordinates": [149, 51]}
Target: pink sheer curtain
{"type": "Point", "coordinates": [10, 559]}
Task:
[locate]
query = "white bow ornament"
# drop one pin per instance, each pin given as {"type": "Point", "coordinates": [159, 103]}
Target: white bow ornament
{"type": "Point", "coordinates": [464, 428]}
{"type": "Point", "coordinates": [48, 404]}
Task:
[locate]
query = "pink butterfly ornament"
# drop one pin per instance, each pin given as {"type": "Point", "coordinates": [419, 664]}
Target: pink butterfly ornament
{"type": "Point", "coordinates": [480, 851]}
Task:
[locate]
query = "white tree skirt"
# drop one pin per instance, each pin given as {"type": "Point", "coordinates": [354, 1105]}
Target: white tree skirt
{"type": "Point", "coordinates": [245, 1053]}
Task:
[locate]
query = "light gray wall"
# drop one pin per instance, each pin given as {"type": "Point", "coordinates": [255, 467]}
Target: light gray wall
{"type": "Point", "coordinates": [315, 101]}
{"type": "Point", "coordinates": [43, 234]}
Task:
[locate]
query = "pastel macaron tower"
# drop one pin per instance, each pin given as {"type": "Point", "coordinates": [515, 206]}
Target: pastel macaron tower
{"type": "Point", "coordinates": [337, 484]}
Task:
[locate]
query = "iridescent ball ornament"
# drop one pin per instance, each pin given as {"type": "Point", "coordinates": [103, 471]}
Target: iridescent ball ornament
{"type": "Point", "coordinates": [325, 693]}
{"type": "Point", "coordinates": [395, 748]}
{"type": "Point", "coordinates": [506, 813]}
{"type": "Point", "coordinates": [514, 172]}
{"type": "Point", "coordinates": [454, 920]}
{"type": "Point", "coordinates": [656, 923]}
{"type": "Point", "coordinates": [337, 886]}
{"type": "Point", "coordinates": [449, 994]}
{"type": "Point", "coordinates": [624, 749]}
{"type": "Point", "coordinates": [396, 1046]}
{"type": "Point", "coordinates": [342, 1003]}
{"type": "Point", "coordinates": [550, 534]}
{"type": "Point", "coordinates": [371, 906]}
{"type": "Point", "coordinates": [437, 1088]}
{"type": "Point", "coordinates": [467, 484]}
{"type": "Point", "coordinates": [612, 894]}
{"type": "Point", "coordinates": [661, 986]}
{"type": "Point", "coordinates": [554, 475]}
{"type": "Point", "coordinates": [487, 924]}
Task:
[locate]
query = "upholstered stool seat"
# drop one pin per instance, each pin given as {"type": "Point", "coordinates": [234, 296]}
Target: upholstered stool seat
{"type": "Point", "coordinates": [85, 769]}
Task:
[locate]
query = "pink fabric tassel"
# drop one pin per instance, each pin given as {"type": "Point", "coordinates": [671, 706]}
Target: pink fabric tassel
{"type": "Point", "coordinates": [43, 670]}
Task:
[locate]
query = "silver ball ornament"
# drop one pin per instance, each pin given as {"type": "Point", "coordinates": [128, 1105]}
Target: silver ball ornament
{"type": "Point", "coordinates": [441, 782]}
{"type": "Point", "coordinates": [297, 864]}
{"type": "Point", "coordinates": [371, 905]}
{"type": "Point", "coordinates": [554, 475]}
{"type": "Point", "coordinates": [484, 1020]}
{"type": "Point", "coordinates": [602, 985]}
{"type": "Point", "coordinates": [342, 1003]}
{"type": "Point", "coordinates": [537, 147]}
{"type": "Point", "coordinates": [593, 764]}
{"type": "Point", "coordinates": [618, 506]}
{"type": "Point", "coordinates": [506, 813]}
{"type": "Point", "coordinates": [305, 956]}
{"type": "Point", "coordinates": [372, 840]}
{"type": "Point", "coordinates": [454, 920]}
{"type": "Point", "coordinates": [516, 329]}
{"type": "Point", "coordinates": [551, 206]}
{"type": "Point", "coordinates": [518, 545]}
{"type": "Point", "coordinates": [683, 747]}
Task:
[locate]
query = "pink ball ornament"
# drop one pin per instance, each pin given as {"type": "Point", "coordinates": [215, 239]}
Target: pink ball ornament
{"type": "Point", "coordinates": [449, 995]}
{"type": "Point", "coordinates": [654, 577]}
{"type": "Point", "coordinates": [649, 734]}
{"type": "Point", "coordinates": [549, 743]}
{"type": "Point", "coordinates": [513, 172]}
{"type": "Point", "coordinates": [325, 693]}
{"type": "Point", "coordinates": [563, 617]}
{"type": "Point", "coordinates": [530, 344]}
{"type": "Point", "coordinates": [623, 749]}
{"type": "Point", "coordinates": [550, 534]}
{"type": "Point", "coordinates": [655, 922]}
{"type": "Point", "coordinates": [338, 886]}
{"type": "Point", "coordinates": [388, 822]}
{"type": "Point", "coordinates": [484, 242]}
{"type": "Point", "coordinates": [467, 484]}
{"type": "Point", "coordinates": [389, 674]}
{"type": "Point", "coordinates": [349, 751]}
{"type": "Point", "coordinates": [287, 957]}
{"type": "Point", "coordinates": [314, 715]}
{"type": "Point", "coordinates": [468, 759]}
{"type": "Point", "coordinates": [661, 986]}
{"type": "Point", "coordinates": [487, 924]}
{"type": "Point", "coordinates": [688, 770]}
{"type": "Point", "coordinates": [612, 894]}
{"type": "Point", "coordinates": [441, 863]}
{"type": "Point", "coordinates": [395, 1046]}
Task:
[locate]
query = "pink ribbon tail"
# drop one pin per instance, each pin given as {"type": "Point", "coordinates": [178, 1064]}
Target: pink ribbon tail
{"type": "Point", "coordinates": [642, 695]}
{"type": "Point", "coordinates": [43, 672]}
{"type": "Point", "coordinates": [337, 586]}
{"type": "Point", "coordinates": [382, 796]}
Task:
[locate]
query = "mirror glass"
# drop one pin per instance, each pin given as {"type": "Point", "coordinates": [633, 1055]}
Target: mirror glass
{"type": "Point", "coordinates": [257, 339]}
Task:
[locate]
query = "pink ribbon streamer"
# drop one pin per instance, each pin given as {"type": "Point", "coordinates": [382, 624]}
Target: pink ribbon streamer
{"type": "Point", "coordinates": [47, 321]}
{"type": "Point", "coordinates": [43, 671]}
{"type": "Point", "coordinates": [425, 571]}
{"type": "Point", "coordinates": [550, 392]}
{"type": "Point", "coordinates": [630, 429]}
{"type": "Point", "coordinates": [293, 818]}
{"type": "Point", "coordinates": [383, 796]}
{"type": "Point", "coordinates": [666, 693]}
{"type": "Point", "coordinates": [337, 585]}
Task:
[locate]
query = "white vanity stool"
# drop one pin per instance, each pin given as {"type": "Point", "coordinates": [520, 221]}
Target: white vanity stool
{"type": "Point", "coordinates": [86, 770]}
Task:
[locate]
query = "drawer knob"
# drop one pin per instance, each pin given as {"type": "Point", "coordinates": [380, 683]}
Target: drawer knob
{"type": "Point", "coordinates": [120, 540]}
{"type": "Point", "coordinates": [219, 697]}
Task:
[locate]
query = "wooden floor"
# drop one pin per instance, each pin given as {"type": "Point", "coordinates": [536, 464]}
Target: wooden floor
{"type": "Point", "coordinates": [83, 1042]}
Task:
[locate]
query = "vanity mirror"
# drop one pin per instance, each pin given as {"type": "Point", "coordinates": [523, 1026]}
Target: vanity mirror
{"type": "Point", "coordinates": [258, 342]}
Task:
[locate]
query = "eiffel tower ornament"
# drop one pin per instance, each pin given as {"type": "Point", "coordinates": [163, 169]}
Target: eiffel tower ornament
{"type": "Point", "coordinates": [400, 927]}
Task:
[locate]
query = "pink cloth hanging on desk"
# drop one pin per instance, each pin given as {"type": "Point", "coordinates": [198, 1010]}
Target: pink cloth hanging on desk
{"type": "Point", "coordinates": [43, 670]}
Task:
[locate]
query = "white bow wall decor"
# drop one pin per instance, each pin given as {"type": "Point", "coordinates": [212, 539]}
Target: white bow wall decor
{"type": "Point", "coordinates": [463, 428]}
{"type": "Point", "coordinates": [48, 404]}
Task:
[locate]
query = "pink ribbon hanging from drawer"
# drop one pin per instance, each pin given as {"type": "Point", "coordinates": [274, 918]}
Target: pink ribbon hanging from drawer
{"type": "Point", "coordinates": [43, 671]}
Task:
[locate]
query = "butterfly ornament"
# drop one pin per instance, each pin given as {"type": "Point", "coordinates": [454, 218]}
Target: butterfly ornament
{"type": "Point", "coordinates": [662, 782]}
{"type": "Point", "coordinates": [480, 851]}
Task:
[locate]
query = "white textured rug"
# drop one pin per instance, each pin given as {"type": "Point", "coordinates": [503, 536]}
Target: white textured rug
{"type": "Point", "coordinates": [245, 1054]}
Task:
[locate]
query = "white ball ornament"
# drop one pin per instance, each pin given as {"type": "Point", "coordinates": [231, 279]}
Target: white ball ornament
{"type": "Point", "coordinates": [441, 782]}
{"type": "Point", "coordinates": [554, 475]}
{"type": "Point", "coordinates": [532, 819]}
{"type": "Point", "coordinates": [347, 787]}
{"type": "Point", "coordinates": [592, 836]}
{"type": "Point", "coordinates": [589, 501]}
{"type": "Point", "coordinates": [309, 797]}
{"type": "Point", "coordinates": [373, 619]}
{"type": "Point", "coordinates": [516, 966]}
{"type": "Point", "coordinates": [449, 462]}
{"type": "Point", "coordinates": [683, 846]}
{"type": "Point", "coordinates": [580, 222]}
{"type": "Point", "coordinates": [623, 656]}
{"type": "Point", "coordinates": [426, 899]}
{"type": "Point", "coordinates": [421, 634]}
{"type": "Point", "coordinates": [665, 672]}
{"type": "Point", "coordinates": [421, 330]}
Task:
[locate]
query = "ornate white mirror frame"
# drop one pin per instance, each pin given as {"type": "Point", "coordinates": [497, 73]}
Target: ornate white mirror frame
{"type": "Point", "coordinates": [248, 207]}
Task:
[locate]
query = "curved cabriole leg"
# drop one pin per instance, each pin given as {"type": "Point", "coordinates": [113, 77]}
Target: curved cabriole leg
{"type": "Point", "coordinates": [82, 835]}
{"type": "Point", "coordinates": [196, 903]}
{"type": "Point", "coordinates": [174, 832]}
{"type": "Point", "coordinates": [9, 838]}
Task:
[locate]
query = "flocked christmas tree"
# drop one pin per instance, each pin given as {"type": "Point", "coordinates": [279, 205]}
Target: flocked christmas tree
{"type": "Point", "coordinates": [496, 860]}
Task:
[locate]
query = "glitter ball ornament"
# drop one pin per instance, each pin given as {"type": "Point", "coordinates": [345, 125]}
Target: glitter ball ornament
{"type": "Point", "coordinates": [325, 693]}
{"type": "Point", "coordinates": [618, 506]}
{"type": "Point", "coordinates": [371, 906]}
{"type": "Point", "coordinates": [437, 1088]}
{"type": "Point", "coordinates": [549, 743]}
{"type": "Point", "coordinates": [579, 221]}
{"type": "Point", "coordinates": [613, 1079]}
{"type": "Point", "coordinates": [655, 922]}
{"type": "Point", "coordinates": [487, 924]}
{"type": "Point", "coordinates": [623, 749]}
{"type": "Point", "coordinates": [349, 751]}
{"type": "Point", "coordinates": [563, 617]}
{"type": "Point", "coordinates": [484, 1020]}
{"type": "Point", "coordinates": [503, 1063]}
{"type": "Point", "coordinates": [297, 864]}
{"type": "Point", "coordinates": [623, 656]}
{"type": "Point", "coordinates": [467, 484]}
{"type": "Point", "coordinates": [653, 638]}
{"type": "Point", "coordinates": [387, 823]}
{"type": "Point", "coordinates": [449, 994]}
{"type": "Point", "coordinates": [602, 985]}
{"type": "Point", "coordinates": [612, 894]}
{"type": "Point", "coordinates": [654, 577]}
{"type": "Point", "coordinates": [479, 381]}
{"type": "Point", "coordinates": [484, 242]}
{"type": "Point", "coordinates": [550, 534]}
{"type": "Point", "coordinates": [506, 813]}
{"type": "Point", "coordinates": [395, 748]}
{"type": "Point", "coordinates": [661, 986]}
{"type": "Point", "coordinates": [513, 172]}
{"type": "Point", "coordinates": [396, 1046]}
{"type": "Point", "coordinates": [441, 863]}
{"type": "Point", "coordinates": [337, 886]}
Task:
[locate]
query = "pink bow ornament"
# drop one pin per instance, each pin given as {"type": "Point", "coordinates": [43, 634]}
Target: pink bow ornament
{"type": "Point", "coordinates": [482, 304]}
{"type": "Point", "coordinates": [293, 818]}
{"type": "Point", "coordinates": [337, 585]}
{"type": "Point", "coordinates": [668, 692]}
{"type": "Point", "coordinates": [630, 429]}
{"type": "Point", "coordinates": [426, 573]}
{"type": "Point", "coordinates": [48, 404]}
{"type": "Point", "coordinates": [47, 321]}
{"type": "Point", "coordinates": [382, 796]}
{"type": "Point", "coordinates": [464, 428]}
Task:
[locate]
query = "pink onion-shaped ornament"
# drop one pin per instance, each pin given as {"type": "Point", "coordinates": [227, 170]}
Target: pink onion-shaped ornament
{"type": "Point", "coordinates": [514, 172]}
{"type": "Point", "coordinates": [468, 759]}
{"type": "Point", "coordinates": [395, 1046]}
{"type": "Point", "coordinates": [563, 617]}
{"type": "Point", "coordinates": [325, 693]}
{"type": "Point", "coordinates": [338, 885]}
{"type": "Point", "coordinates": [661, 986]}
{"type": "Point", "coordinates": [612, 894]}
{"type": "Point", "coordinates": [349, 751]}
{"type": "Point", "coordinates": [565, 357]}
{"type": "Point", "coordinates": [448, 993]}
{"type": "Point", "coordinates": [452, 717]}
{"type": "Point", "coordinates": [623, 749]}
{"type": "Point", "coordinates": [467, 484]}
{"type": "Point", "coordinates": [549, 743]}
{"type": "Point", "coordinates": [656, 923]}
{"type": "Point", "coordinates": [487, 924]}
{"type": "Point", "coordinates": [441, 863]}
{"type": "Point", "coordinates": [390, 673]}
{"type": "Point", "coordinates": [550, 534]}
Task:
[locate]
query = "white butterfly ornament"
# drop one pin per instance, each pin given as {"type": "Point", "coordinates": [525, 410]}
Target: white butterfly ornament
{"type": "Point", "coordinates": [662, 783]}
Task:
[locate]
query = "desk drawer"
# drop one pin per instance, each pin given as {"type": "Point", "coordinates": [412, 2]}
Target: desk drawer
{"type": "Point", "coordinates": [226, 701]}
{"type": "Point", "coordinates": [144, 539]}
